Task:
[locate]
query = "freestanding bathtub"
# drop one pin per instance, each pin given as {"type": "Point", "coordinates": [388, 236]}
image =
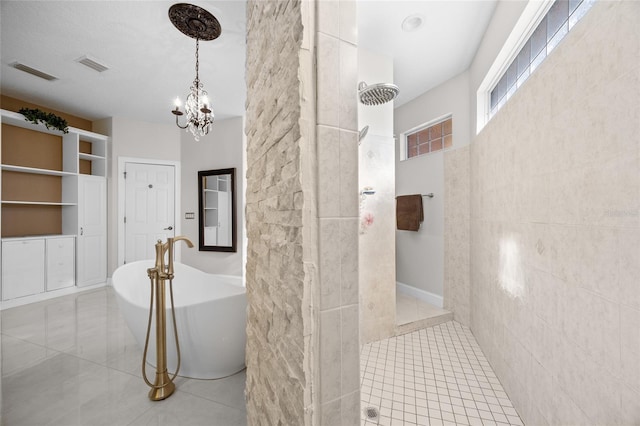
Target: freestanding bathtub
{"type": "Point", "coordinates": [210, 317]}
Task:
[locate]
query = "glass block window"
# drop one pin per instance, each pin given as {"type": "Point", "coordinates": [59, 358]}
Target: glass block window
{"type": "Point", "coordinates": [558, 21]}
{"type": "Point", "coordinates": [430, 138]}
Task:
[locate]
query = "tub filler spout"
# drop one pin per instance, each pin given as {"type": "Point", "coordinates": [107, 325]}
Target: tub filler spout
{"type": "Point", "coordinates": [163, 385]}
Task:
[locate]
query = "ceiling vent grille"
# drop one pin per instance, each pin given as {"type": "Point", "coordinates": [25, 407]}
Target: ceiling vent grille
{"type": "Point", "coordinates": [33, 71]}
{"type": "Point", "coordinates": [92, 63]}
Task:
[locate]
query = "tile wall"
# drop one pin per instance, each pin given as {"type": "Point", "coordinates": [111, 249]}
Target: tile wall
{"type": "Point", "coordinates": [376, 245]}
{"type": "Point", "coordinates": [457, 220]}
{"type": "Point", "coordinates": [555, 229]}
{"type": "Point", "coordinates": [377, 239]}
{"type": "Point", "coordinates": [337, 213]}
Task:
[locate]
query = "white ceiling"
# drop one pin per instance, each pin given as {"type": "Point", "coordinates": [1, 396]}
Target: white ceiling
{"type": "Point", "coordinates": [442, 48]}
{"type": "Point", "coordinates": [150, 62]}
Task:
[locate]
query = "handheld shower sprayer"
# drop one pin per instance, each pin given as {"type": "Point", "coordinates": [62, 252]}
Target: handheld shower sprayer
{"type": "Point", "coordinates": [362, 133]}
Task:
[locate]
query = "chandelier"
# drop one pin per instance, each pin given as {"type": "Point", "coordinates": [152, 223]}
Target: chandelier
{"type": "Point", "coordinates": [197, 23]}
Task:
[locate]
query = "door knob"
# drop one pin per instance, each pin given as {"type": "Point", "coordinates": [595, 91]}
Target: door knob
{"type": "Point", "coordinates": [169, 228]}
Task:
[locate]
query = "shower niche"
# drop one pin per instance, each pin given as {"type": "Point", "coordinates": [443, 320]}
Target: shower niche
{"type": "Point", "coordinates": [217, 210]}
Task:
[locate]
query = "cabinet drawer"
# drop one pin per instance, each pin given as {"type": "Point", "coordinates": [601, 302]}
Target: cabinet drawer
{"type": "Point", "coordinates": [22, 268]}
{"type": "Point", "coordinates": [57, 281]}
{"type": "Point", "coordinates": [60, 263]}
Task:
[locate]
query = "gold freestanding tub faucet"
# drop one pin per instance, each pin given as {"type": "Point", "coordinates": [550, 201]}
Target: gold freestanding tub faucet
{"type": "Point", "coordinates": [163, 385]}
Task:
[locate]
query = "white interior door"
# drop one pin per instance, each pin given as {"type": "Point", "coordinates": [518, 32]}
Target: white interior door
{"type": "Point", "coordinates": [149, 208]}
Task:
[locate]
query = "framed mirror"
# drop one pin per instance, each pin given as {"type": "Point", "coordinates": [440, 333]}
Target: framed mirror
{"type": "Point", "coordinates": [217, 207]}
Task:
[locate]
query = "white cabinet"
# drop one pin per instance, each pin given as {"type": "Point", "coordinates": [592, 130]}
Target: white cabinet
{"type": "Point", "coordinates": [61, 270]}
{"type": "Point", "coordinates": [23, 272]}
{"type": "Point", "coordinates": [92, 230]}
{"type": "Point", "coordinates": [34, 265]}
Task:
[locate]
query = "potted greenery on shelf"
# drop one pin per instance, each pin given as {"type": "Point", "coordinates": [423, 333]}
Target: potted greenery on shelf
{"type": "Point", "coordinates": [50, 120]}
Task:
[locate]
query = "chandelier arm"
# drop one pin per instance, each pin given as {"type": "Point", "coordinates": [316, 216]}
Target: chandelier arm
{"type": "Point", "coordinates": [178, 124]}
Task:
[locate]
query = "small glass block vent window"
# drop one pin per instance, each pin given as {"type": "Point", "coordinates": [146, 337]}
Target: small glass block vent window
{"type": "Point", "coordinates": [557, 23]}
{"type": "Point", "coordinates": [432, 137]}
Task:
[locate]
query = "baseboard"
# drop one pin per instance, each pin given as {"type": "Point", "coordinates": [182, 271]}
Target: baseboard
{"type": "Point", "coordinates": [423, 295]}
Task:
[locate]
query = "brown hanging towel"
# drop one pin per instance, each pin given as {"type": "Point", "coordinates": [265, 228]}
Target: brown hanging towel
{"type": "Point", "coordinates": [409, 212]}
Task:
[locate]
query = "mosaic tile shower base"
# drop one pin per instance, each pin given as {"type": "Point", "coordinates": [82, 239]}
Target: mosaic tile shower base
{"type": "Point", "coordinates": [434, 376]}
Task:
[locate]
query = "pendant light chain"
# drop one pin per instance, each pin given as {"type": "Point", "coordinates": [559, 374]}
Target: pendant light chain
{"type": "Point", "coordinates": [197, 81]}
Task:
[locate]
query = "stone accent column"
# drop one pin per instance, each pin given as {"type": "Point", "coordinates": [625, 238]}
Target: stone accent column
{"type": "Point", "coordinates": [277, 381]}
{"type": "Point", "coordinates": [302, 273]}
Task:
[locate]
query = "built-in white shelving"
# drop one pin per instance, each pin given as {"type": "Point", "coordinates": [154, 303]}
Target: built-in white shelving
{"type": "Point", "coordinates": [71, 153]}
{"type": "Point", "coordinates": [89, 157]}
{"type": "Point", "coordinates": [22, 169]}
{"type": "Point", "coordinates": [38, 203]}
{"type": "Point", "coordinates": [82, 198]}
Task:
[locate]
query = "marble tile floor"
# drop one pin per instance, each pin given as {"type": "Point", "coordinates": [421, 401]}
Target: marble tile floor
{"type": "Point", "coordinates": [73, 361]}
{"type": "Point", "coordinates": [433, 376]}
{"type": "Point", "coordinates": [414, 314]}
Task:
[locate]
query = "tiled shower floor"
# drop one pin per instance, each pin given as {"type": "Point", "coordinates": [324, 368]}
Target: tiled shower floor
{"type": "Point", "coordinates": [433, 376]}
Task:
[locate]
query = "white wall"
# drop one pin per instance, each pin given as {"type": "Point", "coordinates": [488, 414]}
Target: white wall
{"type": "Point", "coordinates": [377, 241]}
{"type": "Point", "coordinates": [420, 255]}
{"type": "Point", "coordinates": [223, 148]}
{"type": "Point", "coordinates": [132, 139]}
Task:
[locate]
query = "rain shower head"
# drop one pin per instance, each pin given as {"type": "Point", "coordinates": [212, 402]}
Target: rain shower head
{"type": "Point", "coordinates": [377, 94]}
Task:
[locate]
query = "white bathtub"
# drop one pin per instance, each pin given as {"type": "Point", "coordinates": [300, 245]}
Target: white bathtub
{"type": "Point", "coordinates": [210, 316]}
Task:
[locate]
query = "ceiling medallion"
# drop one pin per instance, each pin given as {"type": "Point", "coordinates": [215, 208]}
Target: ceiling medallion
{"type": "Point", "coordinates": [194, 21]}
{"type": "Point", "coordinates": [197, 23]}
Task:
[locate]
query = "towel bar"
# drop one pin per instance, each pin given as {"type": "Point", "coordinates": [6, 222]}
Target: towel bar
{"type": "Point", "coordinates": [430, 195]}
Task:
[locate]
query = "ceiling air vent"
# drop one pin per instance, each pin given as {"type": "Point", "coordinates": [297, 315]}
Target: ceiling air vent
{"type": "Point", "coordinates": [32, 71]}
{"type": "Point", "coordinates": [92, 63]}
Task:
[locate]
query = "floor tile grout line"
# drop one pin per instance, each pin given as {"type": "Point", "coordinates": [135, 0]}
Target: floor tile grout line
{"type": "Point", "coordinates": [452, 356]}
